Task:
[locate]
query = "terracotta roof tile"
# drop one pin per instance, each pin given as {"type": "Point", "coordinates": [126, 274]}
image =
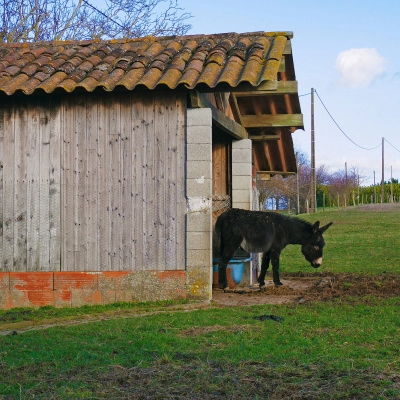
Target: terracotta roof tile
{"type": "Point", "coordinates": [13, 85]}
{"type": "Point", "coordinates": [150, 79]}
{"type": "Point", "coordinates": [35, 51]}
{"type": "Point", "coordinates": [189, 78]}
{"type": "Point", "coordinates": [170, 78]}
{"type": "Point", "coordinates": [96, 74]}
{"type": "Point", "coordinates": [276, 50]}
{"type": "Point", "coordinates": [132, 77]}
{"type": "Point", "coordinates": [41, 76]}
{"type": "Point", "coordinates": [252, 70]}
{"type": "Point", "coordinates": [210, 74]}
{"type": "Point", "coordinates": [68, 85]}
{"type": "Point", "coordinates": [42, 60]}
{"type": "Point", "coordinates": [53, 82]}
{"type": "Point", "coordinates": [30, 85]}
{"type": "Point", "coordinates": [30, 69]}
{"type": "Point", "coordinates": [112, 79]}
{"type": "Point", "coordinates": [232, 70]}
{"type": "Point", "coordinates": [86, 66]}
{"type": "Point", "coordinates": [179, 61]}
{"type": "Point", "coordinates": [269, 70]}
{"type": "Point", "coordinates": [12, 70]}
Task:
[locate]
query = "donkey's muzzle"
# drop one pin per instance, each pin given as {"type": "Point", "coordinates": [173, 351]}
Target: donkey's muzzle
{"type": "Point", "coordinates": [317, 263]}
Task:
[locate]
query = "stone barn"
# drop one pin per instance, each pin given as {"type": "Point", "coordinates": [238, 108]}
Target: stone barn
{"type": "Point", "coordinates": [112, 154]}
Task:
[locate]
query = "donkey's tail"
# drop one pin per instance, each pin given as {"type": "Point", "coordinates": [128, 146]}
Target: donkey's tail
{"type": "Point", "coordinates": [217, 239]}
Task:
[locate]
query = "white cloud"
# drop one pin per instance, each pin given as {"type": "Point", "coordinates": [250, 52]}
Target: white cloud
{"type": "Point", "coordinates": [359, 67]}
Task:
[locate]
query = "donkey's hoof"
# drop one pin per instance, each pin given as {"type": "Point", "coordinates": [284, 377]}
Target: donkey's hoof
{"type": "Point", "coordinates": [223, 285]}
{"type": "Point", "coordinates": [279, 283]}
{"type": "Point", "coordinates": [262, 283]}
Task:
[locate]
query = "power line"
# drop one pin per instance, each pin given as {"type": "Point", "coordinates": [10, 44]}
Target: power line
{"type": "Point", "coordinates": [341, 130]}
{"type": "Point", "coordinates": [392, 145]}
{"type": "Point", "coordinates": [364, 148]}
{"type": "Point", "coordinates": [104, 15]}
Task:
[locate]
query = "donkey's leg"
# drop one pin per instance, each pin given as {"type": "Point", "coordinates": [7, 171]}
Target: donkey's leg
{"type": "Point", "coordinates": [226, 255]}
{"type": "Point", "coordinates": [275, 267]}
{"type": "Point", "coordinates": [223, 262]}
{"type": "Point", "coordinates": [264, 268]}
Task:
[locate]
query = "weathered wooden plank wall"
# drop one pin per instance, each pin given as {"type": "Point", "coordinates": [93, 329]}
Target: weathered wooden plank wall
{"type": "Point", "coordinates": [221, 163]}
{"type": "Point", "coordinates": [93, 182]}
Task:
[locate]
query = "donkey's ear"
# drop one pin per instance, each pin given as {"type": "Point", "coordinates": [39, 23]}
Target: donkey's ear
{"type": "Point", "coordinates": [324, 228]}
{"type": "Point", "coordinates": [315, 227]}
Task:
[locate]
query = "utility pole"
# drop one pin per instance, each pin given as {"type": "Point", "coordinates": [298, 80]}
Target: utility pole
{"type": "Point", "coordinates": [391, 184]}
{"type": "Point", "coordinates": [347, 183]}
{"type": "Point", "coordinates": [383, 171]}
{"type": "Point", "coordinates": [297, 183]}
{"type": "Point", "coordinates": [313, 180]}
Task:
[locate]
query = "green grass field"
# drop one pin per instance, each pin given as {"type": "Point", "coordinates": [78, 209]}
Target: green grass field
{"type": "Point", "coordinates": [346, 348]}
{"type": "Point", "coordinates": [361, 240]}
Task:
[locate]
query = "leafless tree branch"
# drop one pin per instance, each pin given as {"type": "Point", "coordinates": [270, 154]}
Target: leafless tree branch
{"type": "Point", "coordinates": [46, 20]}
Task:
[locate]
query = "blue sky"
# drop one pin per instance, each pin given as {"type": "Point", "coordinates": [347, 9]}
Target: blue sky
{"type": "Point", "coordinates": [349, 52]}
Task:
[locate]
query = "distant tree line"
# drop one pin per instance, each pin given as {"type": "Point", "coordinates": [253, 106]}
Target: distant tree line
{"type": "Point", "coordinates": [338, 189]}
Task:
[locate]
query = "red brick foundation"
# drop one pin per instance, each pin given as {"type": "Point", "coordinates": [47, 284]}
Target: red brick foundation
{"type": "Point", "coordinates": [72, 289]}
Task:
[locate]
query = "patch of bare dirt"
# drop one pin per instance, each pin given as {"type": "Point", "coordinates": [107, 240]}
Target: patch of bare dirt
{"type": "Point", "coordinates": [300, 289]}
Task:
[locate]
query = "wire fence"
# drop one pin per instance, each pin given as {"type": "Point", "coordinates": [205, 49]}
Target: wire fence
{"type": "Point", "coordinates": [220, 203]}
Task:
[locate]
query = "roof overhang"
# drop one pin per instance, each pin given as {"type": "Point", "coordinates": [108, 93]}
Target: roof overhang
{"type": "Point", "coordinates": [267, 115]}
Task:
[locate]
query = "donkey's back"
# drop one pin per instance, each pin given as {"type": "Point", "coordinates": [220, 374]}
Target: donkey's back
{"type": "Point", "coordinates": [255, 231]}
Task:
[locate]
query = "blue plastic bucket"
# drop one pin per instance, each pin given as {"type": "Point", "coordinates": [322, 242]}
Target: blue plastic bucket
{"type": "Point", "coordinates": [234, 271]}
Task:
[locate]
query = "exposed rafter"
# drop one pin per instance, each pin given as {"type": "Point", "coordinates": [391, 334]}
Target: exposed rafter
{"type": "Point", "coordinates": [226, 124]}
{"type": "Point", "coordinates": [273, 121]}
{"type": "Point", "coordinates": [282, 87]}
{"type": "Point", "coordinates": [263, 138]}
{"type": "Point", "coordinates": [266, 175]}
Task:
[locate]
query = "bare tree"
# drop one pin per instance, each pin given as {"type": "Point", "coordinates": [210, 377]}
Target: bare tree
{"type": "Point", "coordinates": [42, 20]}
{"type": "Point", "coordinates": [286, 190]}
{"type": "Point", "coordinates": [344, 185]}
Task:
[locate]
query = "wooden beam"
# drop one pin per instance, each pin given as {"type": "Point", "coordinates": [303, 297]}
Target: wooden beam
{"type": "Point", "coordinates": [195, 99]}
{"type": "Point", "coordinates": [276, 173]}
{"type": "Point", "coordinates": [288, 48]}
{"type": "Point", "coordinates": [263, 176]}
{"type": "Point", "coordinates": [283, 87]}
{"type": "Point", "coordinates": [226, 124]}
{"type": "Point", "coordinates": [235, 108]}
{"type": "Point", "coordinates": [264, 138]}
{"type": "Point", "coordinates": [267, 85]}
{"type": "Point", "coordinates": [242, 87]}
{"type": "Point", "coordinates": [222, 99]}
{"type": "Point", "coordinates": [273, 121]}
{"type": "Point", "coordinates": [282, 65]}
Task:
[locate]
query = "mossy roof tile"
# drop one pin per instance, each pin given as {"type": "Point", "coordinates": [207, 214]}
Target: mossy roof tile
{"type": "Point", "coordinates": [210, 60]}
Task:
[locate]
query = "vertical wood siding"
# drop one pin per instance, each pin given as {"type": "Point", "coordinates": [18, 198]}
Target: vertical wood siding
{"type": "Point", "coordinates": [92, 182]}
{"type": "Point", "coordinates": [221, 164]}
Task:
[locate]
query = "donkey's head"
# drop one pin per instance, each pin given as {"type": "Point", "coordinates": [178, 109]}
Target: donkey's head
{"type": "Point", "coordinates": [312, 247]}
